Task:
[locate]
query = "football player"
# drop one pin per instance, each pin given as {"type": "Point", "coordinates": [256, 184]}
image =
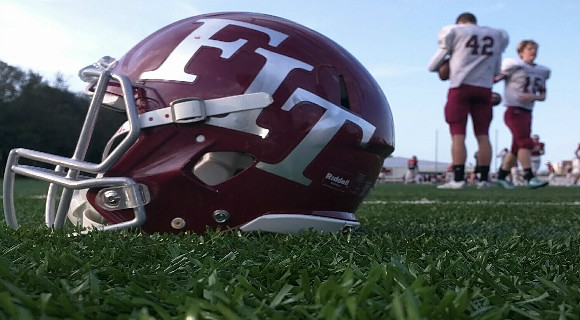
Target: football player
{"type": "Point", "coordinates": [525, 83]}
{"type": "Point", "coordinates": [551, 172]}
{"type": "Point", "coordinates": [536, 153]}
{"type": "Point", "coordinates": [576, 166]}
{"type": "Point", "coordinates": [474, 54]}
{"type": "Point", "coordinates": [412, 170]}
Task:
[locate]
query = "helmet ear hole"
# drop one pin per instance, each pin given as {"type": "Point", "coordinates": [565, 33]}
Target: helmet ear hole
{"type": "Point", "coordinates": [344, 102]}
{"type": "Point", "coordinates": [216, 167]}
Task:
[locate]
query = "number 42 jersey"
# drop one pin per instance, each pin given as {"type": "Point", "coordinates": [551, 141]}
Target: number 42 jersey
{"type": "Point", "coordinates": [475, 53]}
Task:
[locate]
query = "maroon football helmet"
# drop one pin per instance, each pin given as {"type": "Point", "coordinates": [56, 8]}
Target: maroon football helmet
{"type": "Point", "coordinates": [235, 120]}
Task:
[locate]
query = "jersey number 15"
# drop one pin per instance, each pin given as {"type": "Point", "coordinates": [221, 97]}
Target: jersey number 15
{"type": "Point", "coordinates": [536, 86]}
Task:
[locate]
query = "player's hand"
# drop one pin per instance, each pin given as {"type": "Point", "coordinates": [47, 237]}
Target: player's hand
{"type": "Point", "coordinates": [498, 78]}
{"type": "Point", "coordinates": [527, 97]}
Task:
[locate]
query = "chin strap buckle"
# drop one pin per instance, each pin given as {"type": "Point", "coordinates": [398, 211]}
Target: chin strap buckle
{"type": "Point", "coordinates": [188, 110]}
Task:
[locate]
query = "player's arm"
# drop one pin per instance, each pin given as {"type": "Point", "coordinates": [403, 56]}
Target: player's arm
{"type": "Point", "coordinates": [541, 96]}
{"type": "Point", "coordinates": [527, 97]}
{"type": "Point", "coordinates": [445, 40]}
{"type": "Point", "coordinates": [437, 60]}
{"type": "Point", "coordinates": [531, 97]}
{"type": "Point", "coordinates": [499, 76]}
{"type": "Point", "coordinates": [507, 67]}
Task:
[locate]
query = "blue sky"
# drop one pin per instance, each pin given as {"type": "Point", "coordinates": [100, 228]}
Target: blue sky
{"type": "Point", "coordinates": [393, 39]}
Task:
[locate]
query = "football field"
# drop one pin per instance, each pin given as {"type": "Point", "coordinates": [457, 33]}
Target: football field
{"type": "Point", "coordinates": [420, 253]}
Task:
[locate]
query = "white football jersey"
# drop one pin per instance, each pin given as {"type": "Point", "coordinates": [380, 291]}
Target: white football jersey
{"type": "Point", "coordinates": [522, 78]}
{"type": "Point", "coordinates": [475, 53]}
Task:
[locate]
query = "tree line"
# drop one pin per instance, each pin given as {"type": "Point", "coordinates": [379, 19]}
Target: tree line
{"type": "Point", "coordinates": [35, 114]}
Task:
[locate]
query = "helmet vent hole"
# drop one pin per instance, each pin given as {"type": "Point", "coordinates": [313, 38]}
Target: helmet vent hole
{"type": "Point", "coordinates": [344, 102]}
{"type": "Point", "coordinates": [216, 167]}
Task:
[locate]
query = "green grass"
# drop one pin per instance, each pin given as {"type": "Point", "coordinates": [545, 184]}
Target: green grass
{"type": "Point", "coordinates": [421, 253]}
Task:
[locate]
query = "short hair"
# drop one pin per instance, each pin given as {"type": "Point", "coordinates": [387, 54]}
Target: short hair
{"type": "Point", "coordinates": [524, 43]}
{"type": "Point", "coordinates": [466, 17]}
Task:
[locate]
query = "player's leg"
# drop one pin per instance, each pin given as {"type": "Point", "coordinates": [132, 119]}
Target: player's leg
{"type": "Point", "coordinates": [456, 111]}
{"type": "Point", "coordinates": [458, 150]}
{"type": "Point", "coordinates": [510, 159]}
{"type": "Point", "coordinates": [481, 115]}
{"type": "Point", "coordinates": [522, 125]}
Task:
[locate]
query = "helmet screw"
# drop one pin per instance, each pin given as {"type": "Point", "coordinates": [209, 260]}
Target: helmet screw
{"type": "Point", "coordinates": [177, 223]}
{"type": "Point", "coordinates": [112, 198]}
{"type": "Point", "coordinates": [221, 216]}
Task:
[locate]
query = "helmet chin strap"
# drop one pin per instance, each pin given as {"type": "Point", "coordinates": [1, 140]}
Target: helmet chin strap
{"type": "Point", "coordinates": [193, 110]}
{"type": "Point", "coordinates": [190, 110]}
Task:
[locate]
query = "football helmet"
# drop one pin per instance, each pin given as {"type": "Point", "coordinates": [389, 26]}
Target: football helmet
{"type": "Point", "coordinates": [234, 120]}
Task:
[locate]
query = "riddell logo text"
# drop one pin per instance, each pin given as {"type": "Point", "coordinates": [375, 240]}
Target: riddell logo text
{"type": "Point", "coordinates": [337, 179]}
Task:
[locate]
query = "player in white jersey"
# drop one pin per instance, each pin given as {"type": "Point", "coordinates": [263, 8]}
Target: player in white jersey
{"type": "Point", "coordinates": [474, 54]}
{"type": "Point", "coordinates": [501, 155]}
{"type": "Point", "coordinates": [525, 83]}
{"type": "Point", "coordinates": [538, 150]}
{"type": "Point", "coordinates": [576, 166]}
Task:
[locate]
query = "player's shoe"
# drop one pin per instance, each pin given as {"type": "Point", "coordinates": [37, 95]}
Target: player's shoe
{"type": "Point", "coordinates": [504, 183]}
{"type": "Point", "coordinates": [483, 185]}
{"type": "Point", "coordinates": [536, 183]}
{"type": "Point", "coordinates": [452, 185]}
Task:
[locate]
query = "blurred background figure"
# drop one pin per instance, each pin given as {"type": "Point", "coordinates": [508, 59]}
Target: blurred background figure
{"type": "Point", "coordinates": [474, 176]}
{"type": "Point", "coordinates": [517, 178]}
{"type": "Point", "coordinates": [501, 155]}
{"type": "Point", "coordinates": [536, 153]}
{"type": "Point", "coordinates": [412, 174]}
{"type": "Point", "coordinates": [576, 166]}
{"type": "Point", "coordinates": [551, 173]}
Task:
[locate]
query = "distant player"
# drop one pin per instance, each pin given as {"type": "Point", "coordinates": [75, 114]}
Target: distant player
{"type": "Point", "coordinates": [501, 155]}
{"type": "Point", "coordinates": [412, 170]}
{"type": "Point", "coordinates": [576, 166]}
{"type": "Point", "coordinates": [536, 153]}
{"type": "Point", "coordinates": [474, 177]}
{"type": "Point", "coordinates": [551, 172]}
{"type": "Point", "coordinates": [475, 58]}
{"type": "Point", "coordinates": [525, 83]}
{"type": "Point", "coordinates": [516, 176]}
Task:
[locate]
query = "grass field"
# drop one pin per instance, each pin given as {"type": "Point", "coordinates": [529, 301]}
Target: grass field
{"type": "Point", "coordinates": [421, 253]}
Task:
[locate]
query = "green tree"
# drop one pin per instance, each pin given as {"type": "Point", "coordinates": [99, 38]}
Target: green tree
{"type": "Point", "coordinates": [38, 116]}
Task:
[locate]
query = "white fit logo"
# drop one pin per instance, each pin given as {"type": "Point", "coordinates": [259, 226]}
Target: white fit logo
{"type": "Point", "coordinates": [270, 77]}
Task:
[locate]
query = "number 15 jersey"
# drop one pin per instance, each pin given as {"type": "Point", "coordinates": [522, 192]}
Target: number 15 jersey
{"type": "Point", "coordinates": [475, 53]}
{"type": "Point", "coordinates": [522, 77]}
